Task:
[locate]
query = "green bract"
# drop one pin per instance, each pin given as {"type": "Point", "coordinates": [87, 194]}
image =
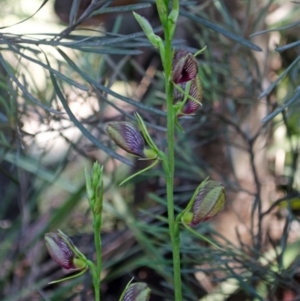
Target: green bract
{"type": "Point", "coordinates": [148, 30]}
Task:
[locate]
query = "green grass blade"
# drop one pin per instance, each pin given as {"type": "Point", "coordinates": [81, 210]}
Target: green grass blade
{"type": "Point", "coordinates": [109, 91]}
{"type": "Point", "coordinates": [120, 9]}
{"type": "Point", "coordinates": [228, 34]}
{"type": "Point", "coordinates": [282, 75]}
{"type": "Point", "coordinates": [23, 89]}
{"type": "Point", "coordinates": [83, 130]}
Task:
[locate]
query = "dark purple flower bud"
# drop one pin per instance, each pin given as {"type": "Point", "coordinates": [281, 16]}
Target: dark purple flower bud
{"type": "Point", "coordinates": [125, 135]}
{"type": "Point", "coordinates": [209, 201]}
{"type": "Point", "coordinates": [137, 292]}
{"type": "Point", "coordinates": [196, 92]}
{"type": "Point", "coordinates": [61, 249]}
{"type": "Point", "coordinates": [185, 66]}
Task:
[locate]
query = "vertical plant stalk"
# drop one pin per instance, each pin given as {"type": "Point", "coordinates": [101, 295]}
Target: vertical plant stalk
{"type": "Point", "coordinates": [98, 246]}
{"type": "Point", "coordinates": [97, 215]}
{"type": "Point", "coordinates": [169, 169]}
{"type": "Point", "coordinates": [94, 187]}
{"type": "Point", "coordinates": [96, 279]}
{"type": "Point", "coordinates": [168, 18]}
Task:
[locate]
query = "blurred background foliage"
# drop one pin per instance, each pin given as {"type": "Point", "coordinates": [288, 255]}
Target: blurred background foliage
{"type": "Point", "coordinates": [69, 67]}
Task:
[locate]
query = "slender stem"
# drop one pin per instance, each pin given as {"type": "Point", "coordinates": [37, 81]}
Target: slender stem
{"type": "Point", "coordinates": [97, 239]}
{"type": "Point", "coordinates": [95, 277]}
{"type": "Point", "coordinates": [173, 228]}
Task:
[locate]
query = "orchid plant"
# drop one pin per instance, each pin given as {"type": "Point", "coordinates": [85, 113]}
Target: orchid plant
{"type": "Point", "coordinates": [183, 90]}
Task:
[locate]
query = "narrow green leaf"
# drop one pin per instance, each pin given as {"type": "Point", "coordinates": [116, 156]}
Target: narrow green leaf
{"type": "Point", "coordinates": [34, 167]}
{"type": "Point", "coordinates": [59, 74]}
{"type": "Point", "coordinates": [108, 50]}
{"type": "Point", "coordinates": [74, 11]}
{"type": "Point", "coordinates": [287, 46]}
{"type": "Point", "coordinates": [24, 90]}
{"type": "Point", "coordinates": [83, 130]}
{"type": "Point", "coordinates": [202, 237]}
{"type": "Point", "coordinates": [275, 29]}
{"type": "Point", "coordinates": [283, 107]}
{"type": "Point", "coordinates": [109, 91]}
{"type": "Point", "coordinates": [120, 9]}
{"type": "Point", "coordinates": [41, 6]}
{"type": "Point", "coordinates": [139, 172]}
{"type": "Point", "coordinates": [228, 34]}
{"type": "Point", "coordinates": [282, 75]}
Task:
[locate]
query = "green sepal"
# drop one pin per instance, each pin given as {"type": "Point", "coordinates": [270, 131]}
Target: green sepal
{"type": "Point", "coordinates": [145, 133]}
{"type": "Point", "coordinates": [148, 138]}
{"type": "Point", "coordinates": [202, 237]}
{"type": "Point", "coordinates": [124, 291]}
{"type": "Point", "coordinates": [186, 94]}
{"type": "Point", "coordinates": [179, 105]}
{"type": "Point", "coordinates": [200, 51]}
{"type": "Point", "coordinates": [70, 277]}
{"type": "Point", "coordinates": [139, 172]}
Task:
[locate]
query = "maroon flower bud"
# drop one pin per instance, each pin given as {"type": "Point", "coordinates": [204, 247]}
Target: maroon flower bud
{"type": "Point", "coordinates": [185, 66]}
{"type": "Point", "coordinates": [125, 135]}
{"type": "Point", "coordinates": [137, 292]}
{"type": "Point", "coordinates": [191, 105]}
{"type": "Point", "coordinates": [62, 251]}
{"type": "Point", "coordinates": [208, 203]}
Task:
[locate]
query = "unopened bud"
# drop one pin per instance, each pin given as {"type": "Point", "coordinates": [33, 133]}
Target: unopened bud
{"type": "Point", "coordinates": [62, 251]}
{"type": "Point", "coordinates": [209, 201]}
{"type": "Point", "coordinates": [185, 66]}
{"type": "Point", "coordinates": [125, 135]}
{"type": "Point", "coordinates": [148, 30]}
{"type": "Point", "coordinates": [137, 292]}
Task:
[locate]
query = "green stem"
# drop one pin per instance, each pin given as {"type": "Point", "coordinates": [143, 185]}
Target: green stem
{"type": "Point", "coordinates": [97, 270]}
{"type": "Point", "coordinates": [97, 240]}
{"type": "Point", "coordinates": [174, 235]}
{"type": "Point", "coordinates": [95, 277]}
